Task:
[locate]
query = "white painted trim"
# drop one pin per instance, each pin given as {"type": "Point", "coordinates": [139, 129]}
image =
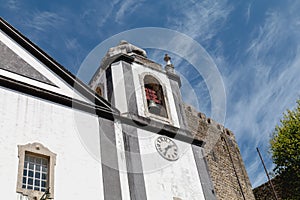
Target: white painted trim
{"type": "Point", "coordinates": [119, 87]}
{"type": "Point", "coordinates": [29, 81]}
{"type": "Point", "coordinates": [122, 161]}
{"type": "Point", "coordinates": [63, 87]}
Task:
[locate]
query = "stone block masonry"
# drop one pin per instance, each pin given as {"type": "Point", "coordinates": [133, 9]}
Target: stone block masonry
{"type": "Point", "coordinates": [224, 161]}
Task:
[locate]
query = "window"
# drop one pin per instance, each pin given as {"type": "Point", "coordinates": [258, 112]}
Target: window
{"type": "Point", "coordinates": [36, 170]}
{"type": "Point", "coordinates": [99, 90]}
{"type": "Point", "coordinates": [35, 173]}
{"type": "Point", "coordinates": [155, 96]}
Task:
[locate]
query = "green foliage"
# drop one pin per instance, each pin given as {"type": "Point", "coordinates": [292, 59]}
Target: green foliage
{"type": "Point", "coordinates": [285, 149]}
{"type": "Point", "coordinates": [285, 143]}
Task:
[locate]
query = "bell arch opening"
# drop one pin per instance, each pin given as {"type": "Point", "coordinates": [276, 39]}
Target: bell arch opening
{"type": "Point", "coordinates": [155, 96]}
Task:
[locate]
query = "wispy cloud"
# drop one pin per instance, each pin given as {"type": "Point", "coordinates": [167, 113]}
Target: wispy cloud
{"type": "Point", "coordinates": [127, 7]}
{"type": "Point", "coordinates": [248, 12]}
{"type": "Point", "coordinates": [43, 21]}
{"type": "Point", "coordinates": [268, 84]}
{"type": "Point", "coordinates": [102, 13]}
{"type": "Point", "coordinates": [200, 20]}
{"type": "Point", "coordinates": [263, 80]}
{"type": "Point", "coordinates": [13, 4]}
{"type": "Point", "coordinates": [113, 12]}
{"type": "Point", "coordinates": [269, 36]}
{"type": "Point", "coordinates": [72, 44]}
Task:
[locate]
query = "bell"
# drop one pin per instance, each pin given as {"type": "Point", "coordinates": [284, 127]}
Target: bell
{"type": "Point", "coordinates": [153, 107]}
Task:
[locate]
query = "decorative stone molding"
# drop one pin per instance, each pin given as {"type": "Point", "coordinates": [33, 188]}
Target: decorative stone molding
{"type": "Point", "coordinates": [35, 149]}
{"type": "Point", "coordinates": [168, 118]}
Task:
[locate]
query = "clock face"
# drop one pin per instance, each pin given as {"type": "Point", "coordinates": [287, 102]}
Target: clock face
{"type": "Point", "coordinates": [166, 148]}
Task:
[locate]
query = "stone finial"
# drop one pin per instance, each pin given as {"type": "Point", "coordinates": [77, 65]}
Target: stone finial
{"type": "Point", "coordinates": [169, 66]}
{"type": "Point", "coordinates": [126, 48]}
{"type": "Point", "coordinates": [167, 59]}
{"type": "Point", "coordinates": [123, 42]}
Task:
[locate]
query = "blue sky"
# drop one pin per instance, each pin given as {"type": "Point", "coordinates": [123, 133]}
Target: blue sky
{"type": "Point", "coordinates": [255, 45]}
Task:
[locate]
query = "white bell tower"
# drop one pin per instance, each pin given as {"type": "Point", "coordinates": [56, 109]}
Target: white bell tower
{"type": "Point", "coordinates": [139, 87]}
{"type": "Point", "coordinates": [152, 124]}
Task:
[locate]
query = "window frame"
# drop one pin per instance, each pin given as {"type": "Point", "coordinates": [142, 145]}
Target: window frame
{"type": "Point", "coordinates": [168, 118]}
{"type": "Point", "coordinates": [38, 150]}
{"type": "Point", "coordinates": [101, 87]}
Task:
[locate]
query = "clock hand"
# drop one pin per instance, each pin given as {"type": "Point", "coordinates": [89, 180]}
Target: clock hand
{"type": "Point", "coordinates": [167, 148]}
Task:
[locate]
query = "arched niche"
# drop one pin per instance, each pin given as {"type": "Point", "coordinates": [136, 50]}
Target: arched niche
{"type": "Point", "coordinates": [155, 96]}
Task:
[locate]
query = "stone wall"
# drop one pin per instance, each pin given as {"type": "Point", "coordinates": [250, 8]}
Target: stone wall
{"type": "Point", "coordinates": [286, 186]}
{"type": "Point", "coordinates": [224, 160]}
{"type": "Point", "coordinates": [264, 192]}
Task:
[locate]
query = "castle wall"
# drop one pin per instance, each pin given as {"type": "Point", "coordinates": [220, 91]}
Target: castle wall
{"type": "Point", "coordinates": [265, 191]}
{"type": "Point", "coordinates": [224, 160]}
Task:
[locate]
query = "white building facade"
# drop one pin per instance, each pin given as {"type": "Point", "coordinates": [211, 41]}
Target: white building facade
{"type": "Point", "coordinates": [122, 137]}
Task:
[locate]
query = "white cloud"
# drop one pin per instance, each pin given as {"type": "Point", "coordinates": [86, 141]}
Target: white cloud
{"type": "Point", "coordinates": [270, 35]}
{"type": "Point", "coordinates": [127, 7]}
{"type": "Point", "coordinates": [116, 10]}
{"type": "Point", "coordinates": [106, 14]}
{"type": "Point", "coordinates": [13, 4]}
{"type": "Point", "coordinates": [271, 70]}
{"type": "Point", "coordinates": [72, 44]}
{"type": "Point", "coordinates": [248, 13]}
{"type": "Point", "coordinates": [44, 21]}
{"type": "Point", "coordinates": [264, 80]}
{"type": "Point", "coordinates": [202, 20]}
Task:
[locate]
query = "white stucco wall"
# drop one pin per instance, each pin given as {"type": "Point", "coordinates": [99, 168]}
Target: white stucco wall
{"type": "Point", "coordinates": [167, 179]}
{"type": "Point", "coordinates": [119, 94]}
{"type": "Point", "coordinates": [25, 119]}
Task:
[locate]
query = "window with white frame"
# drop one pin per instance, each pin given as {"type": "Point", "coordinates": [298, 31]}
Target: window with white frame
{"type": "Point", "coordinates": [35, 173]}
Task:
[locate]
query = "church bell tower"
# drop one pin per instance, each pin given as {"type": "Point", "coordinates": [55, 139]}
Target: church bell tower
{"type": "Point", "coordinates": [139, 87]}
{"type": "Point", "coordinates": [152, 128]}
